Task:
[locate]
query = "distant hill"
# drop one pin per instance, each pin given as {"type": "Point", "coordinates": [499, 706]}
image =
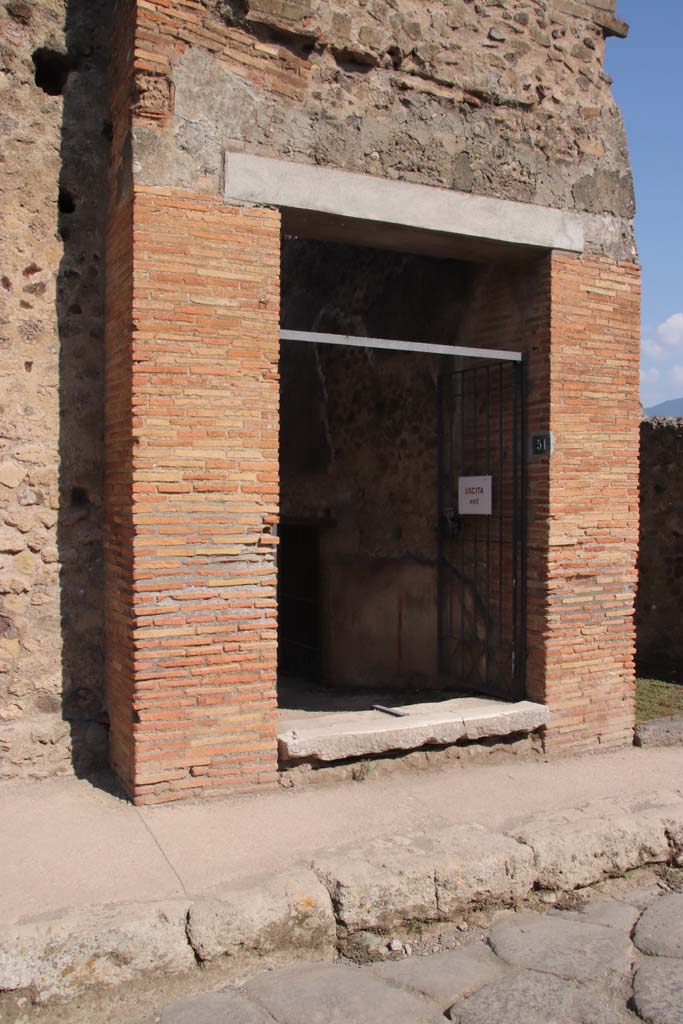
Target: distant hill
{"type": "Point", "coordinates": [674, 407]}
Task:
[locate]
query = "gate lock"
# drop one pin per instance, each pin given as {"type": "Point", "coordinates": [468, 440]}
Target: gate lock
{"type": "Point", "coordinates": [451, 522]}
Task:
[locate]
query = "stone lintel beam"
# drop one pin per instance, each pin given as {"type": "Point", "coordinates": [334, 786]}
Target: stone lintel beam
{"type": "Point", "coordinates": [322, 201]}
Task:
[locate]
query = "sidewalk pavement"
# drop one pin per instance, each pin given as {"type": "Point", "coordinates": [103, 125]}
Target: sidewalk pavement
{"type": "Point", "coordinates": [65, 844]}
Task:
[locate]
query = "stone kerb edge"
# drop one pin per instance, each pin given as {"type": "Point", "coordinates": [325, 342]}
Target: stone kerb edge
{"type": "Point", "coordinates": [306, 913]}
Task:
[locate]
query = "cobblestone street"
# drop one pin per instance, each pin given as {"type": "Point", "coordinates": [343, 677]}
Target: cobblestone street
{"type": "Point", "coordinates": [617, 957]}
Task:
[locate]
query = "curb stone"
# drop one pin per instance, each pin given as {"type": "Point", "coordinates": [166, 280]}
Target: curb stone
{"type": "Point", "coordinates": [392, 882]}
{"type": "Point", "coordinates": [425, 878]}
{"type": "Point", "coordinates": [573, 852]}
{"type": "Point", "coordinates": [289, 912]}
{"type": "Point", "coordinates": [60, 954]}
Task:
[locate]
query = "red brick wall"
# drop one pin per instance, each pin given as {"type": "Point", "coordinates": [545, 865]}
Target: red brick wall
{"type": "Point", "coordinates": [195, 635]}
{"type": "Point", "coordinates": [593, 495]}
{"type": "Point", "coordinates": [199, 643]}
{"type": "Point", "coordinates": [166, 29]}
{"type": "Point", "coordinates": [577, 319]}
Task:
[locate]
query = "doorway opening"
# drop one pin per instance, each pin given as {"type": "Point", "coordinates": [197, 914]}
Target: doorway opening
{"type": "Point", "coordinates": [298, 596]}
{"type": "Point", "coordinates": [367, 562]}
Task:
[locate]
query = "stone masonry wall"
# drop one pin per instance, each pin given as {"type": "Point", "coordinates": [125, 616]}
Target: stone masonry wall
{"type": "Point", "coordinates": [502, 99]}
{"type": "Point", "coordinates": [498, 99]}
{"type": "Point", "coordinates": [118, 446]}
{"type": "Point", "coordinates": [659, 605]}
{"type": "Point", "coordinates": [54, 143]}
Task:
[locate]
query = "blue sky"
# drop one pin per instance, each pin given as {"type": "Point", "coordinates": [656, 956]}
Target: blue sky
{"type": "Point", "coordinates": [648, 84]}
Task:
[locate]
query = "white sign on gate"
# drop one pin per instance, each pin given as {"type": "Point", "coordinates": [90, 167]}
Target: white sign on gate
{"type": "Point", "coordinates": [474, 495]}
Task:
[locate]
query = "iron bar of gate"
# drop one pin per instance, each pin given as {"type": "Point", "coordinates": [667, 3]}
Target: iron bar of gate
{"type": "Point", "coordinates": [488, 529]}
{"type": "Point", "coordinates": [515, 455]}
{"type": "Point", "coordinates": [441, 525]}
{"type": "Point", "coordinates": [475, 531]}
{"type": "Point", "coordinates": [454, 413]}
{"type": "Point", "coordinates": [468, 423]}
{"type": "Point", "coordinates": [501, 457]}
{"type": "Point", "coordinates": [521, 679]}
{"type": "Point", "coordinates": [352, 341]}
{"type": "Point", "coordinates": [463, 470]}
{"type": "Point", "coordinates": [451, 459]}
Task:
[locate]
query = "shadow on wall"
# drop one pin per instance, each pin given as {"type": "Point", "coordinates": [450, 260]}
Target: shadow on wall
{"type": "Point", "coordinates": [80, 75]}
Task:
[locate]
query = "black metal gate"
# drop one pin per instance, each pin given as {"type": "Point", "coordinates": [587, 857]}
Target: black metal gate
{"type": "Point", "coordinates": [482, 554]}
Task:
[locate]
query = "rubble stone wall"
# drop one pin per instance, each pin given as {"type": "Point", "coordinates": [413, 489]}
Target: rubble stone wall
{"type": "Point", "coordinates": [659, 606]}
{"type": "Point", "coordinates": [506, 99]}
{"type": "Point", "coordinates": [54, 143]}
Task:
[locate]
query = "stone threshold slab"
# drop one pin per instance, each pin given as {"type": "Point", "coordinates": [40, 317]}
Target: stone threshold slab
{"type": "Point", "coordinates": [341, 735]}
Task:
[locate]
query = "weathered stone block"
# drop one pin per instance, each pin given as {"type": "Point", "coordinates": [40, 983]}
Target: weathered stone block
{"type": "Point", "coordinates": [659, 932]}
{"type": "Point", "coordinates": [293, 913]}
{"type": "Point", "coordinates": [11, 541]}
{"type": "Point", "coordinates": [533, 998]}
{"type": "Point", "coordinates": [317, 995]}
{"type": "Point", "coordinates": [62, 953]}
{"type": "Point", "coordinates": [573, 950]}
{"type": "Point", "coordinates": [657, 987]}
{"type": "Point", "coordinates": [212, 1008]}
{"type": "Point", "coordinates": [475, 868]}
{"type": "Point", "coordinates": [425, 878]}
{"type": "Point", "coordinates": [11, 474]}
{"type": "Point", "coordinates": [154, 95]}
{"type": "Point", "coordinates": [570, 853]}
{"type": "Point", "coordinates": [445, 977]}
{"type": "Point", "coordinates": [393, 881]}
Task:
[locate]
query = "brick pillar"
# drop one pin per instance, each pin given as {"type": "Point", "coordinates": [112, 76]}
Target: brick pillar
{"type": "Point", "coordinates": [577, 319]}
{"type": "Point", "coordinates": [192, 437]}
{"type": "Point", "coordinates": [587, 630]}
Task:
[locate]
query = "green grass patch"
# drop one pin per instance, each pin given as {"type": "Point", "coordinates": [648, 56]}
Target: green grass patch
{"type": "Point", "coordinates": [656, 698]}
